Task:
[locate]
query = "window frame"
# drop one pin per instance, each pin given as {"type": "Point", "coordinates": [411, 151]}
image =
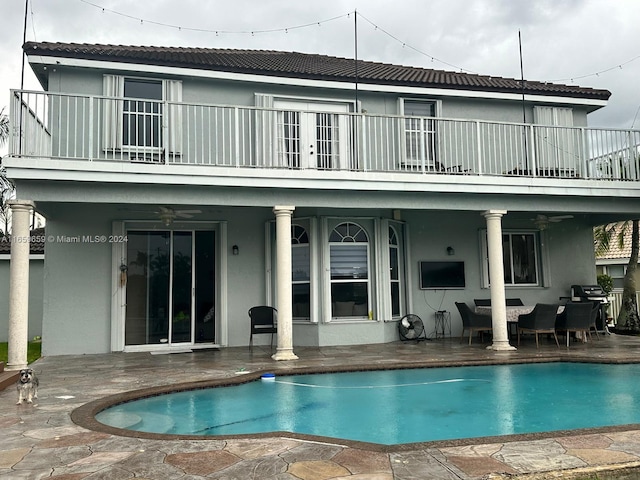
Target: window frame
{"type": "Point", "coordinates": [309, 281]}
{"type": "Point", "coordinates": [170, 119]}
{"type": "Point", "coordinates": [428, 128]}
{"type": "Point", "coordinates": [397, 248]}
{"type": "Point", "coordinates": [141, 116]}
{"type": "Point", "coordinates": [537, 252]}
{"type": "Point", "coordinates": [369, 280]}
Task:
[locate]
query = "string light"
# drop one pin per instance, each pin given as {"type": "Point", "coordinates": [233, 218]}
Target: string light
{"type": "Point", "coordinates": [319, 23]}
{"type": "Point", "coordinates": [597, 74]}
{"type": "Point", "coordinates": [216, 32]}
{"type": "Point", "coordinates": [404, 44]}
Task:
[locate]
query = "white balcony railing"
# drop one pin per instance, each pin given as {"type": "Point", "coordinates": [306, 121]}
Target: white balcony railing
{"type": "Point", "coordinates": [615, 303]}
{"type": "Point", "coordinates": [97, 128]}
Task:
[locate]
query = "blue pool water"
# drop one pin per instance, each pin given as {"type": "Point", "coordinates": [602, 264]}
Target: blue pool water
{"type": "Point", "coordinates": [400, 406]}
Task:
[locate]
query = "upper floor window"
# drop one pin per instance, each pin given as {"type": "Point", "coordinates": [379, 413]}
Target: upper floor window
{"type": "Point", "coordinates": [420, 134]}
{"type": "Point", "coordinates": [142, 116]}
{"type": "Point", "coordinates": [349, 266]}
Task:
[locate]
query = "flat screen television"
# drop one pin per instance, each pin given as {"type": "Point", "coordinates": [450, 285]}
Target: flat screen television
{"type": "Point", "coordinates": [441, 275]}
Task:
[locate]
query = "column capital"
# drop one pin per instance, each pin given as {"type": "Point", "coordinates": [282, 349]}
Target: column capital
{"type": "Point", "coordinates": [21, 205]}
{"type": "Point", "coordinates": [283, 209]}
{"type": "Point", "coordinates": [494, 213]}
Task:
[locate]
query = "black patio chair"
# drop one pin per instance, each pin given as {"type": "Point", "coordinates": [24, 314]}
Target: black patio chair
{"type": "Point", "coordinates": [482, 302]}
{"type": "Point", "coordinates": [542, 319]}
{"type": "Point", "coordinates": [514, 302]}
{"type": "Point", "coordinates": [263, 320]}
{"type": "Point", "coordinates": [472, 321]}
{"type": "Point", "coordinates": [576, 317]}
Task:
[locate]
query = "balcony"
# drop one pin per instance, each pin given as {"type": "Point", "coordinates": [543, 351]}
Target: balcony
{"type": "Point", "coordinates": [96, 128]}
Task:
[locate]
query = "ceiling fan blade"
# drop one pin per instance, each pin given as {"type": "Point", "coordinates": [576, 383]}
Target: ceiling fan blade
{"type": "Point", "coordinates": [559, 218]}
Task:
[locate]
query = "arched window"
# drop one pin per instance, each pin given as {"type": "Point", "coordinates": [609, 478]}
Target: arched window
{"type": "Point", "coordinates": [300, 272]}
{"type": "Point", "coordinates": [349, 260]}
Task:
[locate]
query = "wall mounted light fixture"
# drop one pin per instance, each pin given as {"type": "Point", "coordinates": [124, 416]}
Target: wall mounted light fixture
{"type": "Point", "coordinates": [235, 250]}
{"type": "Point", "coordinates": [451, 251]}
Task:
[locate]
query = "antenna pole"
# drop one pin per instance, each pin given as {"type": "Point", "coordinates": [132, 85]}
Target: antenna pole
{"type": "Point", "coordinates": [356, 132]}
{"type": "Point", "coordinates": [24, 40]}
{"type": "Point", "coordinates": [524, 111]}
{"type": "Point", "coordinates": [355, 43]}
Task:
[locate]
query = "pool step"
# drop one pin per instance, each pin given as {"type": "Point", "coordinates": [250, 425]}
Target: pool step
{"type": "Point", "coordinates": [7, 378]}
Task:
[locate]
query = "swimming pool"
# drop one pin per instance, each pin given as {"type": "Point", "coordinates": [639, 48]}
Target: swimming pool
{"type": "Point", "coordinates": [399, 406]}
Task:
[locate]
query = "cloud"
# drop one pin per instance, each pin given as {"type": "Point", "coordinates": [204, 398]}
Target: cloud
{"type": "Point", "coordinates": [561, 39]}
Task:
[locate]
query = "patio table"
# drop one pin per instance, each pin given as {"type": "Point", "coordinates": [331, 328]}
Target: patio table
{"type": "Point", "coordinates": [513, 312]}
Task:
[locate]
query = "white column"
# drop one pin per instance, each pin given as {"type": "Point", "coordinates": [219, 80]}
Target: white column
{"type": "Point", "coordinates": [496, 280]}
{"type": "Point", "coordinates": [284, 350]}
{"type": "Point", "coordinates": [19, 285]}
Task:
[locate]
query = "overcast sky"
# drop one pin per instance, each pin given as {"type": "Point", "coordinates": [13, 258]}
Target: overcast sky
{"type": "Point", "coordinates": [593, 43]}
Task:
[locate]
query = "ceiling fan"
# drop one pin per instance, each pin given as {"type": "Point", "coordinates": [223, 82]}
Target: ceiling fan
{"type": "Point", "coordinates": [543, 221]}
{"type": "Point", "coordinates": [168, 214]}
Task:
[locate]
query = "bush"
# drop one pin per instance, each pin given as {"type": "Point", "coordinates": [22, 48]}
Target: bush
{"type": "Point", "coordinates": [606, 283]}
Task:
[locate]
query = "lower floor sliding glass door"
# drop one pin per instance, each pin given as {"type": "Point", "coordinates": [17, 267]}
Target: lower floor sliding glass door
{"type": "Point", "coordinates": [170, 287]}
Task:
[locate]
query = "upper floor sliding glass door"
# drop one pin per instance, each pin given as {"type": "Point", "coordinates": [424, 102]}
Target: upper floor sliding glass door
{"type": "Point", "coordinates": [312, 135]}
{"type": "Point", "coordinates": [170, 287]}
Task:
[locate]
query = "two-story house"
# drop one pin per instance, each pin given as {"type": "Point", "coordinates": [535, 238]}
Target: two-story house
{"type": "Point", "coordinates": [182, 186]}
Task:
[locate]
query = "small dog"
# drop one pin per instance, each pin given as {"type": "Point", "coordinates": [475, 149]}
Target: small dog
{"type": "Point", "coordinates": [27, 386]}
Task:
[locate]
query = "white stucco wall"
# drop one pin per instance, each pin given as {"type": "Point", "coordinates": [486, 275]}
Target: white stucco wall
{"type": "Point", "coordinates": [77, 290]}
{"type": "Point", "coordinates": [78, 275]}
{"type": "Point", "coordinates": [36, 267]}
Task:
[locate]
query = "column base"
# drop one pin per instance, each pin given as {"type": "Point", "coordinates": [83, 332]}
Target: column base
{"type": "Point", "coordinates": [285, 354]}
{"type": "Point", "coordinates": [501, 347]}
{"type": "Point", "coordinates": [15, 366]}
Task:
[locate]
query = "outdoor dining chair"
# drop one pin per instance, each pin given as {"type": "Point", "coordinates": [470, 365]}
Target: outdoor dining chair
{"type": "Point", "coordinates": [542, 319]}
{"type": "Point", "coordinates": [576, 317]}
{"type": "Point", "coordinates": [514, 302]}
{"type": "Point", "coordinates": [472, 321]}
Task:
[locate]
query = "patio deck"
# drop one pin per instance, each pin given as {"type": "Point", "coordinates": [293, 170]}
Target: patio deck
{"type": "Point", "coordinates": [42, 441]}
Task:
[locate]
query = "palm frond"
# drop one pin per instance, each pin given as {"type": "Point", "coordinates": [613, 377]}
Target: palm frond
{"type": "Point", "coordinates": [4, 127]}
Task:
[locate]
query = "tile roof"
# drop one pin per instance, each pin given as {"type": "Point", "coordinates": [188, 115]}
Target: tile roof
{"type": "Point", "coordinates": [35, 247]}
{"type": "Point", "coordinates": [304, 65]}
{"type": "Point", "coordinates": [615, 250]}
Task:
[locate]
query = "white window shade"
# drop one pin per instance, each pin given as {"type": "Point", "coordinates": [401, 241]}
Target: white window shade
{"type": "Point", "coordinates": [173, 96]}
{"type": "Point", "coordinates": [557, 147]}
{"type": "Point", "coordinates": [113, 88]}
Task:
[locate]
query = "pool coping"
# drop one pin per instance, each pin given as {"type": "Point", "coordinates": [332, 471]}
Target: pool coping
{"type": "Point", "coordinates": [84, 415]}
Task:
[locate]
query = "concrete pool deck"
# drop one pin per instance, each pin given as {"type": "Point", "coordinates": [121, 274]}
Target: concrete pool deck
{"type": "Point", "coordinates": [42, 441]}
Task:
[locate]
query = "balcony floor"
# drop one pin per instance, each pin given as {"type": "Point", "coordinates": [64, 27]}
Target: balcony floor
{"type": "Point", "coordinates": [42, 438]}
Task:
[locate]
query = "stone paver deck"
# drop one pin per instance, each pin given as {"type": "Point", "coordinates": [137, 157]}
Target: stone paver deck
{"type": "Point", "coordinates": [42, 441]}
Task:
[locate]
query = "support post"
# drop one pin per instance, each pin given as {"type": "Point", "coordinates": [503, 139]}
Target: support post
{"type": "Point", "coordinates": [19, 285]}
{"type": "Point", "coordinates": [496, 280]}
{"type": "Point", "coordinates": [284, 350]}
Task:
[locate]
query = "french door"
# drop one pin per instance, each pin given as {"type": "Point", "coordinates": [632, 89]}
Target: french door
{"type": "Point", "coordinates": [170, 287]}
{"type": "Point", "coordinates": [312, 135]}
